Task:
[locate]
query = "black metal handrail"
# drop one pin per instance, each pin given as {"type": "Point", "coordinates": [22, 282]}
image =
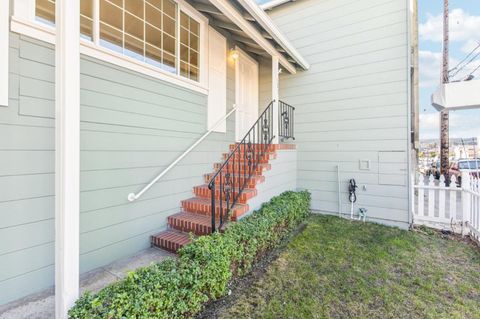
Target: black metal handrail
{"type": "Point", "coordinates": [285, 120]}
{"type": "Point", "coordinates": [233, 175]}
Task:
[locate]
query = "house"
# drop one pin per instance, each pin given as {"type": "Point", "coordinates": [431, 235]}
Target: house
{"type": "Point", "coordinates": [170, 87]}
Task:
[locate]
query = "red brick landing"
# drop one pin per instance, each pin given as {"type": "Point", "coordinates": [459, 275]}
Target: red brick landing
{"type": "Point", "coordinates": [195, 217]}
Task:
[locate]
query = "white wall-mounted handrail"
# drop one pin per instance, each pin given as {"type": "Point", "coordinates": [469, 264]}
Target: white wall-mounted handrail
{"type": "Point", "coordinates": [132, 196]}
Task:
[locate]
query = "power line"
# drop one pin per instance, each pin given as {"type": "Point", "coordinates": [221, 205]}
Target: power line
{"type": "Point", "coordinates": [465, 58]}
{"type": "Point", "coordinates": [475, 70]}
{"type": "Point", "coordinates": [471, 60]}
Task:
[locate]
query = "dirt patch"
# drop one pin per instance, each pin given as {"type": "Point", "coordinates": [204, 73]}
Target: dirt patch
{"type": "Point", "coordinates": [445, 234]}
{"type": "Point", "coordinates": [240, 286]}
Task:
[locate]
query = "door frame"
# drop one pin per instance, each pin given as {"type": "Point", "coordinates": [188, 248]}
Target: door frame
{"type": "Point", "coordinates": [244, 55]}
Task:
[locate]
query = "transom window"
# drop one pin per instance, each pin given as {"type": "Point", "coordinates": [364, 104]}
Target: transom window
{"type": "Point", "coordinates": [157, 32]}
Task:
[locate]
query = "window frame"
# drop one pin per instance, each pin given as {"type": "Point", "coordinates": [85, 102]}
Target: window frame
{"type": "Point", "coordinates": [24, 22]}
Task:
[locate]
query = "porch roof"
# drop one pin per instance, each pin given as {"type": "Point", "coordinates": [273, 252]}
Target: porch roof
{"type": "Point", "coordinates": [247, 24]}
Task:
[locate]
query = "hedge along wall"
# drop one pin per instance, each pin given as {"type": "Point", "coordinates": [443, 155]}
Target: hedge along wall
{"type": "Point", "coordinates": [179, 288]}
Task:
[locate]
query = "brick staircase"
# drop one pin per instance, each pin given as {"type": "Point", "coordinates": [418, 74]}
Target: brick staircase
{"type": "Point", "coordinates": [195, 217]}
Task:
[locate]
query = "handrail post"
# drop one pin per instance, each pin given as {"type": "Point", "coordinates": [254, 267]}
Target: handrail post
{"type": "Point", "coordinates": [212, 190]}
{"type": "Point", "coordinates": [275, 99]}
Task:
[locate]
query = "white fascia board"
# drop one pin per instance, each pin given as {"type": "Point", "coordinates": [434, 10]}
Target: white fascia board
{"type": "Point", "coordinates": [457, 96]}
{"type": "Point", "coordinates": [274, 3]}
{"type": "Point", "coordinates": [231, 12]}
{"type": "Point", "coordinates": [264, 20]}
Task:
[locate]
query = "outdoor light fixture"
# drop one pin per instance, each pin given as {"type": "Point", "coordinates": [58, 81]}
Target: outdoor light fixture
{"type": "Point", "coordinates": [234, 54]}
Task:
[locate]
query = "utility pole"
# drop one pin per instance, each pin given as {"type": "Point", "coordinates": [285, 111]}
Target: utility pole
{"type": "Point", "coordinates": [444, 116]}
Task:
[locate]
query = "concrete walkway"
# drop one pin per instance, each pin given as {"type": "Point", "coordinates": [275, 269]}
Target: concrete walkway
{"type": "Point", "coordinates": [42, 305]}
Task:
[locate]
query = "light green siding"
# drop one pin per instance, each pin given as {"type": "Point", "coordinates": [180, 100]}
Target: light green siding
{"type": "Point", "coordinates": [352, 103]}
{"type": "Point", "coordinates": [132, 127]}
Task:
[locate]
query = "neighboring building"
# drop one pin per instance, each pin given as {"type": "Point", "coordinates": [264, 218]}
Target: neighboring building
{"type": "Point", "coordinates": [460, 148]}
{"type": "Point", "coordinates": [155, 76]}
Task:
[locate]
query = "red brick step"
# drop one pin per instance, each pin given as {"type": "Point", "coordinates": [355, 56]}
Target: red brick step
{"type": "Point", "coordinates": [271, 148]}
{"type": "Point", "coordinates": [203, 206]}
{"type": "Point", "coordinates": [170, 240]}
{"type": "Point", "coordinates": [204, 192]}
{"type": "Point", "coordinates": [242, 157]}
{"type": "Point", "coordinates": [243, 168]}
{"type": "Point", "coordinates": [191, 223]}
{"type": "Point", "coordinates": [254, 179]}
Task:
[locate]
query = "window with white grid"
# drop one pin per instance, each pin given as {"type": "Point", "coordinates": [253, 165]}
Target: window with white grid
{"type": "Point", "coordinates": [156, 32]}
{"type": "Point", "coordinates": [189, 46]}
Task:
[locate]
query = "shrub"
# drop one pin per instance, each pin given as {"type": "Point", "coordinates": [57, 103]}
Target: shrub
{"type": "Point", "coordinates": [179, 288]}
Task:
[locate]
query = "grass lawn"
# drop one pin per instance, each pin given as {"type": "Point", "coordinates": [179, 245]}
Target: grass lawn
{"type": "Point", "coordinates": [341, 269]}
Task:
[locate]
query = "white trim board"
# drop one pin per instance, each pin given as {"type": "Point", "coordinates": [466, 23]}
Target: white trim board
{"type": "Point", "coordinates": [217, 79]}
{"type": "Point", "coordinates": [4, 50]}
{"type": "Point", "coordinates": [239, 116]}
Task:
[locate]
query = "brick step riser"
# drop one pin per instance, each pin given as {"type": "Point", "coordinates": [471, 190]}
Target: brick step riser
{"type": "Point", "coordinates": [206, 193]}
{"type": "Point", "coordinates": [168, 245]}
{"type": "Point", "coordinates": [244, 149]}
{"type": "Point", "coordinates": [244, 169]}
{"type": "Point", "coordinates": [271, 149]}
{"type": "Point", "coordinates": [206, 210]}
{"type": "Point", "coordinates": [241, 153]}
{"type": "Point", "coordinates": [257, 177]}
{"type": "Point", "coordinates": [244, 159]}
{"type": "Point", "coordinates": [189, 226]}
{"type": "Point", "coordinates": [254, 180]}
{"type": "Point", "coordinates": [250, 184]}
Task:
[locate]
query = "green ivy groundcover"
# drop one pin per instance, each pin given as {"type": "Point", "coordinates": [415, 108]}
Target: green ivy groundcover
{"type": "Point", "coordinates": [179, 288]}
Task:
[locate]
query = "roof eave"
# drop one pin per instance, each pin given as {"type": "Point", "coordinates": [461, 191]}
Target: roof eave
{"type": "Point", "coordinates": [231, 13]}
{"type": "Point", "coordinates": [266, 22]}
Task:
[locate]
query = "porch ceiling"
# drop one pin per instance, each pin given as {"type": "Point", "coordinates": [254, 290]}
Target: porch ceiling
{"type": "Point", "coordinates": [247, 24]}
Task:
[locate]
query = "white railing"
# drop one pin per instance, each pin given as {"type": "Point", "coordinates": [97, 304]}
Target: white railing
{"type": "Point", "coordinates": [452, 207]}
{"type": "Point", "coordinates": [134, 196]}
{"type": "Point", "coordinates": [473, 207]}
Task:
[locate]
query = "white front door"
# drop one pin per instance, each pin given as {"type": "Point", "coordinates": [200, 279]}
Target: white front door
{"type": "Point", "coordinates": [246, 93]}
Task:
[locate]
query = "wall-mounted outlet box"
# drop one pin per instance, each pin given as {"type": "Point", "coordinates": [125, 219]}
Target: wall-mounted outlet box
{"type": "Point", "coordinates": [364, 164]}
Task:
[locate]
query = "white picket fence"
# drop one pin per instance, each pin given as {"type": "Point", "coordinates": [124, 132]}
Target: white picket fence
{"type": "Point", "coordinates": [448, 207]}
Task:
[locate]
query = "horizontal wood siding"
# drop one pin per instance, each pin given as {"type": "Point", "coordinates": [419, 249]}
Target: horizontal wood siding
{"type": "Point", "coordinates": [352, 103]}
{"type": "Point", "coordinates": [132, 127]}
{"type": "Point", "coordinates": [280, 178]}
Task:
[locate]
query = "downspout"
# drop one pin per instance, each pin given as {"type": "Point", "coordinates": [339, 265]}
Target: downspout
{"type": "Point", "coordinates": [412, 104]}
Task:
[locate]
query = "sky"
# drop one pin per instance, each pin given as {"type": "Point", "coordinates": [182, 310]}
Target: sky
{"type": "Point", "coordinates": [464, 36]}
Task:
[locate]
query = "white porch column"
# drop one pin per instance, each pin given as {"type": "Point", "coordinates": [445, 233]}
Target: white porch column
{"type": "Point", "coordinates": [275, 97]}
{"type": "Point", "coordinates": [67, 155]}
